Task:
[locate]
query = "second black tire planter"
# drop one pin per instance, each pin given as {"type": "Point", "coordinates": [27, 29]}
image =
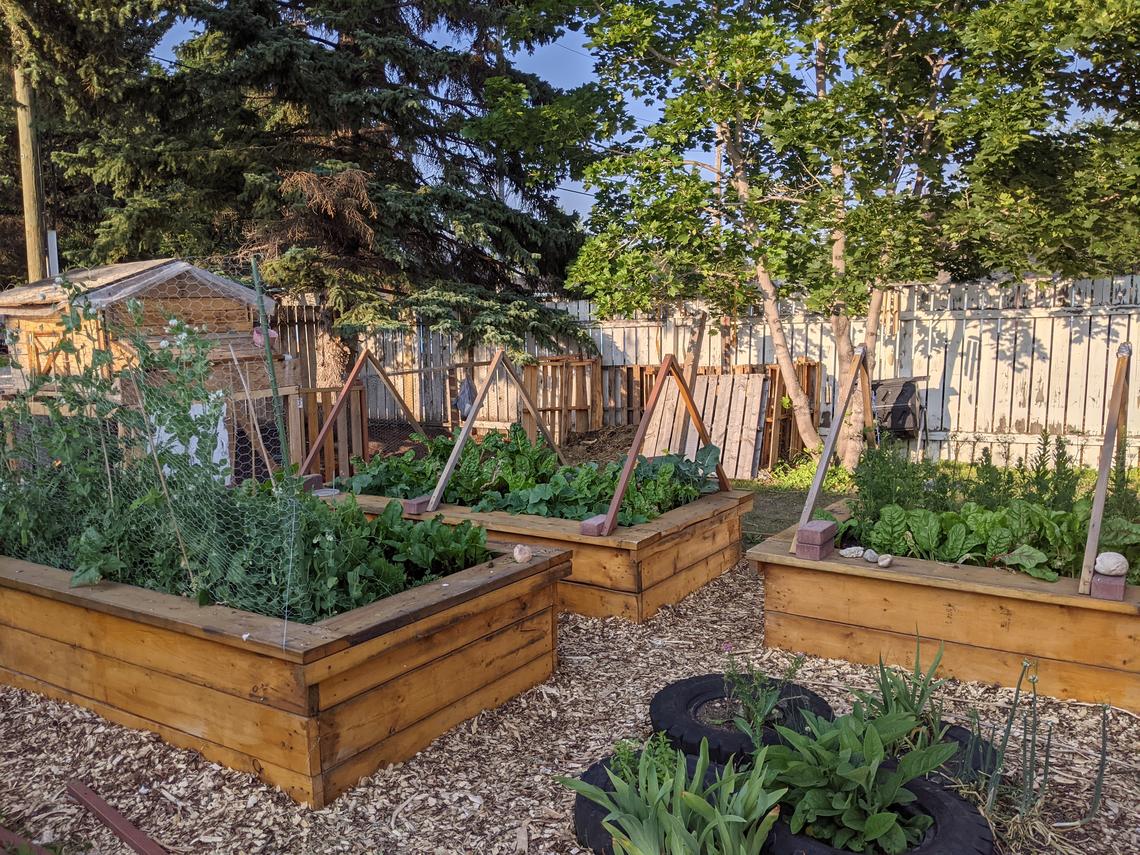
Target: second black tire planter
{"type": "Point", "coordinates": [675, 708]}
{"type": "Point", "coordinates": [589, 815]}
{"type": "Point", "coordinates": [958, 829]}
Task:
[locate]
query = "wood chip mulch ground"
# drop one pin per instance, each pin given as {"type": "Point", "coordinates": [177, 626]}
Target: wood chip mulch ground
{"type": "Point", "coordinates": [488, 786]}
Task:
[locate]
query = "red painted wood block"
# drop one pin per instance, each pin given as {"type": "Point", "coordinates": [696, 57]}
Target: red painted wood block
{"type": "Point", "coordinates": [814, 551]}
{"type": "Point", "coordinates": [594, 526]}
{"type": "Point", "coordinates": [418, 505]}
{"type": "Point", "coordinates": [1107, 587]}
{"type": "Point", "coordinates": [817, 532]}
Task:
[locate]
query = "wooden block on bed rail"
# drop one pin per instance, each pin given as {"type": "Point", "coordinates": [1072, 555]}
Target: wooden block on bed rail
{"type": "Point", "coordinates": [418, 505]}
{"type": "Point", "coordinates": [594, 526]}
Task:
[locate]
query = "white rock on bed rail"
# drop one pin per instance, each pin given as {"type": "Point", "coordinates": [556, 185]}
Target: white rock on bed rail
{"type": "Point", "coordinates": [885, 561]}
{"type": "Point", "coordinates": [1111, 564]}
{"type": "Point", "coordinates": [852, 552]}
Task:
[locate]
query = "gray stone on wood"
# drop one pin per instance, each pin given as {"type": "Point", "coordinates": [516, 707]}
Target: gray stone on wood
{"type": "Point", "coordinates": [1111, 564]}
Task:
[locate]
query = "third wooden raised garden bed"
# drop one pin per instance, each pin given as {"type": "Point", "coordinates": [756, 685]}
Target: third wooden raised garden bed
{"type": "Point", "coordinates": [309, 708]}
{"type": "Point", "coordinates": [637, 569]}
{"type": "Point", "coordinates": [990, 620]}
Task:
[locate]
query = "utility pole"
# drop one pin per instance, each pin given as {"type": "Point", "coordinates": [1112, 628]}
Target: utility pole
{"type": "Point", "coordinates": [30, 182]}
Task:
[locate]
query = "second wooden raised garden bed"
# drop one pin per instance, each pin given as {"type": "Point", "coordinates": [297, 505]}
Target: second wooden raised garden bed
{"type": "Point", "coordinates": [637, 569]}
{"type": "Point", "coordinates": [309, 708]}
{"type": "Point", "coordinates": [989, 620]}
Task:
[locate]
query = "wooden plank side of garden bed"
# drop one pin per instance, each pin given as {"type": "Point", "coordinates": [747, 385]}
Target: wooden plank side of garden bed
{"type": "Point", "coordinates": [595, 601]}
{"type": "Point", "coordinates": [407, 742]}
{"type": "Point", "coordinates": [244, 674]}
{"type": "Point", "coordinates": [990, 620]}
{"type": "Point", "coordinates": [678, 586]}
{"type": "Point", "coordinates": [224, 625]}
{"type": "Point", "coordinates": [375, 715]}
{"type": "Point", "coordinates": [426, 646]}
{"type": "Point", "coordinates": [298, 785]}
{"type": "Point", "coordinates": [245, 726]}
{"type": "Point", "coordinates": [1060, 679]}
{"type": "Point", "coordinates": [957, 577]}
{"type": "Point", "coordinates": [1027, 627]}
{"type": "Point", "coordinates": [329, 667]}
{"type": "Point", "coordinates": [690, 546]}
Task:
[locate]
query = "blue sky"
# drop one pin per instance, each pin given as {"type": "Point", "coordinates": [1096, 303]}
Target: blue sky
{"type": "Point", "coordinates": [565, 63]}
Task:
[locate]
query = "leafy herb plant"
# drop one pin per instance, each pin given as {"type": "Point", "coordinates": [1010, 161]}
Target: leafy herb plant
{"type": "Point", "coordinates": [842, 790]}
{"type": "Point", "coordinates": [119, 480]}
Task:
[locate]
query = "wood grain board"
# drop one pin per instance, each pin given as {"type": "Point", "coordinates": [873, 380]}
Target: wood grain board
{"type": "Point", "coordinates": [989, 621]}
{"type": "Point", "coordinates": [730, 405]}
{"type": "Point", "coordinates": [310, 709]}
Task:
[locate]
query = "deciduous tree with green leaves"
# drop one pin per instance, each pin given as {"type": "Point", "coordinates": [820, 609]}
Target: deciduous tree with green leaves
{"type": "Point", "coordinates": [829, 151]}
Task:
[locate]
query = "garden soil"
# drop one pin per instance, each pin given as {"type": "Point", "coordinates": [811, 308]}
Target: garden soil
{"type": "Point", "coordinates": [488, 786]}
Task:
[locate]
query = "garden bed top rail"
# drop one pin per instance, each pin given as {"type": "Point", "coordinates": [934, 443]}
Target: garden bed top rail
{"type": "Point", "coordinates": [957, 577]}
{"type": "Point", "coordinates": [634, 537]}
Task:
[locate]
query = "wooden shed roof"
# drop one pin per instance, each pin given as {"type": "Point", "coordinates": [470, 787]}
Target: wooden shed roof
{"type": "Point", "coordinates": [103, 286]}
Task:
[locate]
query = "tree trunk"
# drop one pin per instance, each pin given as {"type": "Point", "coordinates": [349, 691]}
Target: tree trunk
{"type": "Point", "coordinates": [851, 428]}
{"type": "Point", "coordinates": [334, 357]}
{"type": "Point", "coordinates": [801, 406]}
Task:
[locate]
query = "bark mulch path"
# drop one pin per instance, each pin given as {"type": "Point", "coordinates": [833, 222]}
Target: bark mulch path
{"type": "Point", "coordinates": [488, 786]}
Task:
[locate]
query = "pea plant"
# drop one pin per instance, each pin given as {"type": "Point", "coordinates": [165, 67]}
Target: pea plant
{"type": "Point", "coordinates": [113, 471]}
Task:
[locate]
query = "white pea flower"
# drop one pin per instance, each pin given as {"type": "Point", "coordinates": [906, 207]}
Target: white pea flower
{"type": "Point", "coordinates": [59, 280]}
{"type": "Point", "coordinates": [172, 323]}
{"type": "Point", "coordinates": [164, 344]}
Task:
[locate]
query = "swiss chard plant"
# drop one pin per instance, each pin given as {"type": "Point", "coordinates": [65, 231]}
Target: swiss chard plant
{"type": "Point", "coordinates": [508, 472]}
{"type": "Point", "coordinates": [842, 790]}
{"type": "Point", "coordinates": [1031, 517]}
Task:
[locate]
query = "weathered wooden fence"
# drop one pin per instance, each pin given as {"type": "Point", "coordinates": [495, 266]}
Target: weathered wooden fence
{"type": "Point", "coordinates": [998, 364]}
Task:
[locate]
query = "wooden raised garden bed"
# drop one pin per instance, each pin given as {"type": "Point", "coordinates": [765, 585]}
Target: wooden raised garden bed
{"type": "Point", "coordinates": [308, 708]}
{"type": "Point", "coordinates": [632, 572]}
{"type": "Point", "coordinates": [989, 620]}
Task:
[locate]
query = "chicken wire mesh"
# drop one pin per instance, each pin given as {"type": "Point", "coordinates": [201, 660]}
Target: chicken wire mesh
{"type": "Point", "coordinates": [144, 447]}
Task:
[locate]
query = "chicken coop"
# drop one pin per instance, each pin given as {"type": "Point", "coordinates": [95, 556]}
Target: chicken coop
{"type": "Point", "coordinates": [121, 302]}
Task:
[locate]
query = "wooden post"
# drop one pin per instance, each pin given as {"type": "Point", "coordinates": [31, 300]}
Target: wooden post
{"type": "Point", "coordinates": [1117, 415]}
{"type": "Point", "coordinates": [330, 417]}
{"type": "Point", "coordinates": [692, 366]}
{"type": "Point", "coordinates": [604, 524]}
{"type": "Point", "coordinates": [858, 366]}
{"type": "Point", "coordinates": [31, 184]}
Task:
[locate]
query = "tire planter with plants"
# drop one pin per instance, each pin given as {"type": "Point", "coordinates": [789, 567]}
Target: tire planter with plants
{"type": "Point", "coordinates": [958, 829]}
{"type": "Point", "coordinates": [588, 815]}
{"type": "Point", "coordinates": [677, 711]}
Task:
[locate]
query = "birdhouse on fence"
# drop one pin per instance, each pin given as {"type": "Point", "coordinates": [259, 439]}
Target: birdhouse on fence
{"type": "Point", "coordinates": [34, 318]}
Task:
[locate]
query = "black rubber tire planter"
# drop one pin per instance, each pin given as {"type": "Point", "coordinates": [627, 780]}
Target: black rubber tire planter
{"type": "Point", "coordinates": [588, 815]}
{"type": "Point", "coordinates": [976, 756]}
{"type": "Point", "coordinates": [674, 711]}
{"type": "Point", "coordinates": [959, 828]}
